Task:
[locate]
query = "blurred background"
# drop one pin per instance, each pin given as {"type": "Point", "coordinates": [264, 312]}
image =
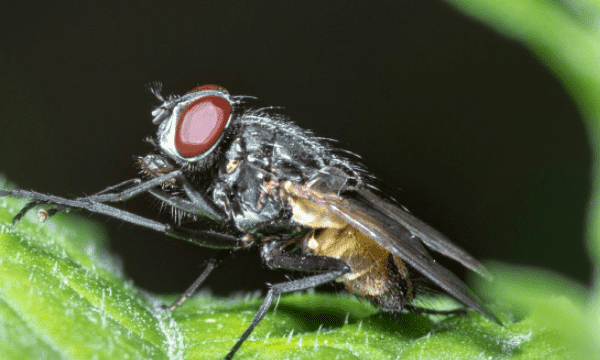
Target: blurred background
{"type": "Point", "coordinates": [468, 130]}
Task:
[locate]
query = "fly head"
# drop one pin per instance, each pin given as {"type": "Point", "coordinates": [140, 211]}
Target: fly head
{"type": "Point", "coordinates": [193, 128]}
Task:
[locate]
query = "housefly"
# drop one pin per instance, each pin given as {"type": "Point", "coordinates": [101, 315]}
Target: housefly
{"type": "Point", "coordinates": [260, 180]}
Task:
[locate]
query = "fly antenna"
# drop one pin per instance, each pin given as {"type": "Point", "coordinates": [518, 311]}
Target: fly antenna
{"type": "Point", "coordinates": [156, 88]}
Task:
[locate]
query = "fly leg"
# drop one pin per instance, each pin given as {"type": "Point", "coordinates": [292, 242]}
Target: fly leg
{"type": "Point", "coordinates": [128, 193]}
{"type": "Point", "coordinates": [209, 239]}
{"type": "Point", "coordinates": [212, 264]}
{"type": "Point", "coordinates": [124, 184]}
{"type": "Point", "coordinates": [102, 196]}
{"type": "Point", "coordinates": [30, 205]}
{"type": "Point", "coordinates": [50, 212]}
{"type": "Point", "coordinates": [198, 206]}
{"type": "Point", "coordinates": [274, 257]}
{"type": "Point", "coordinates": [420, 310]}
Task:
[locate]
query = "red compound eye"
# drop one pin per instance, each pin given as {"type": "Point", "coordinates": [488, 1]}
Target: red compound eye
{"type": "Point", "coordinates": [208, 87]}
{"type": "Point", "coordinates": [201, 124]}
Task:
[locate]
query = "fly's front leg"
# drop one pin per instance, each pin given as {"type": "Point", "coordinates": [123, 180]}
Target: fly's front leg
{"type": "Point", "coordinates": [85, 202]}
{"type": "Point", "coordinates": [124, 184]}
{"type": "Point", "coordinates": [207, 207]}
{"type": "Point", "coordinates": [196, 203]}
{"type": "Point", "coordinates": [45, 214]}
{"type": "Point", "coordinates": [30, 205]}
{"type": "Point", "coordinates": [209, 239]}
{"type": "Point", "coordinates": [199, 204]}
{"type": "Point", "coordinates": [128, 193]}
{"type": "Point", "coordinates": [273, 256]}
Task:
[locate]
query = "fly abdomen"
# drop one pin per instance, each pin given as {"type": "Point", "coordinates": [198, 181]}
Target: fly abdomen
{"type": "Point", "coordinates": [375, 273]}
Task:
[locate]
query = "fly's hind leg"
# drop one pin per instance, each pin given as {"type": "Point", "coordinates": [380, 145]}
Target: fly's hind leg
{"type": "Point", "coordinates": [274, 257]}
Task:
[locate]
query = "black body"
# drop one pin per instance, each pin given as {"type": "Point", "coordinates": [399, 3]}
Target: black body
{"type": "Point", "coordinates": [266, 149]}
{"type": "Point", "coordinates": [253, 185]}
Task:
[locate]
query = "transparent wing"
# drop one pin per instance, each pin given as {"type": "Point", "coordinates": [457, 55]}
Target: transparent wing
{"type": "Point", "coordinates": [432, 238]}
{"type": "Point", "coordinates": [392, 229]}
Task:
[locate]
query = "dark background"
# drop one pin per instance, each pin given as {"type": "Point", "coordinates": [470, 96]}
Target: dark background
{"type": "Point", "coordinates": [484, 143]}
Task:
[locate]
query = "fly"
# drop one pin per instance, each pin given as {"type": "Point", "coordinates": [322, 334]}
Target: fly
{"type": "Point", "coordinates": [263, 181]}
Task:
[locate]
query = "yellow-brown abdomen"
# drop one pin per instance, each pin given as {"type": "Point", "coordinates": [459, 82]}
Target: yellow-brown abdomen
{"type": "Point", "coordinates": [374, 271]}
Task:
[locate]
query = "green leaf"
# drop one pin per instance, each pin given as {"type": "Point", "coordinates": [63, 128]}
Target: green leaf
{"type": "Point", "coordinates": [62, 296]}
{"type": "Point", "coordinates": [565, 35]}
